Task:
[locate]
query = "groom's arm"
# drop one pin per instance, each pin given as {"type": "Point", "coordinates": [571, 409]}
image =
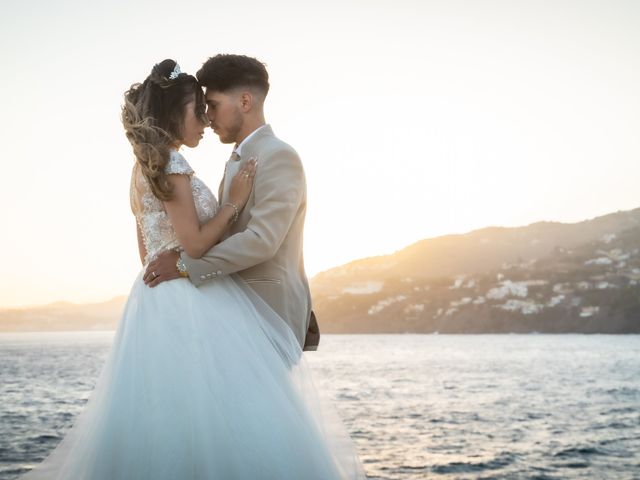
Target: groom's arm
{"type": "Point", "coordinates": [279, 187]}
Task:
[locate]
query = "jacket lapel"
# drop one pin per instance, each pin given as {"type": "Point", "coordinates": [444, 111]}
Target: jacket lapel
{"type": "Point", "coordinates": [248, 151]}
{"type": "Point", "coordinates": [249, 148]}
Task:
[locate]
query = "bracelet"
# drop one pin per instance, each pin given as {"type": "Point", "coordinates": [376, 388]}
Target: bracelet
{"type": "Point", "coordinates": [235, 210]}
{"type": "Point", "coordinates": [182, 268]}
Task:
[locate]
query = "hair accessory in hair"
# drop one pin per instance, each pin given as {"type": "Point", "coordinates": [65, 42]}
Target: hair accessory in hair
{"type": "Point", "coordinates": [175, 72]}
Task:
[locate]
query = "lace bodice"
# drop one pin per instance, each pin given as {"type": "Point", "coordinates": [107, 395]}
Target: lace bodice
{"type": "Point", "coordinates": [157, 232]}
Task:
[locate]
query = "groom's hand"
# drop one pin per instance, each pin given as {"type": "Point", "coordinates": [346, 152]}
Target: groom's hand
{"type": "Point", "coordinates": [163, 268]}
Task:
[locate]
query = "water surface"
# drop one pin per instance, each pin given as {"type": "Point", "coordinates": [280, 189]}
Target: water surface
{"type": "Point", "coordinates": [417, 406]}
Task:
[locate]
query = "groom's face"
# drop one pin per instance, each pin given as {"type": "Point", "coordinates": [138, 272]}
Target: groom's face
{"type": "Point", "coordinates": [225, 114]}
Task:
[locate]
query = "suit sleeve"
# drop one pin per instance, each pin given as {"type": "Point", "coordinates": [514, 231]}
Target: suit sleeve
{"type": "Point", "coordinates": [278, 192]}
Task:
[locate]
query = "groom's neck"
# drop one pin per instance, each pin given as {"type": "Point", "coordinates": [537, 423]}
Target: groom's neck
{"type": "Point", "coordinates": [250, 125]}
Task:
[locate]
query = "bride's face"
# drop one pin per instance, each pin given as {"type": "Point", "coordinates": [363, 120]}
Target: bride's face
{"type": "Point", "coordinates": [193, 128]}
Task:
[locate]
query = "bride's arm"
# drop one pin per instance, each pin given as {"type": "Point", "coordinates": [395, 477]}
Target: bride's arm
{"type": "Point", "coordinates": [194, 238]}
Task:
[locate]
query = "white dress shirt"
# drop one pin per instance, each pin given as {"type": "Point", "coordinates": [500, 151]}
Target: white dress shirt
{"type": "Point", "coordinates": [233, 166]}
{"type": "Point", "coordinates": [238, 149]}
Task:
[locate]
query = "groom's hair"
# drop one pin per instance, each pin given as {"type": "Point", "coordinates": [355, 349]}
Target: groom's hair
{"type": "Point", "coordinates": [226, 72]}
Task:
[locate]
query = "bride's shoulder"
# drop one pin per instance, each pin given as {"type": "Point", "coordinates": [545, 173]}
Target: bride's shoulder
{"type": "Point", "coordinates": [177, 164]}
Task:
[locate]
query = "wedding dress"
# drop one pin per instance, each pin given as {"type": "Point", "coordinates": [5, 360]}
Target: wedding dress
{"type": "Point", "coordinates": [200, 383]}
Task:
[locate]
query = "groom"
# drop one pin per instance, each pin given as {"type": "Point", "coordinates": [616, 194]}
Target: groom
{"type": "Point", "coordinates": [264, 245]}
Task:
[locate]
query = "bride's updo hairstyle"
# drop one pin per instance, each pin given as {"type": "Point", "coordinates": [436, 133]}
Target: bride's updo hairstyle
{"type": "Point", "coordinates": [153, 117]}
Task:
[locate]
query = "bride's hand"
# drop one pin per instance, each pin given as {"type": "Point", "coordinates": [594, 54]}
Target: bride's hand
{"type": "Point", "coordinates": [242, 184]}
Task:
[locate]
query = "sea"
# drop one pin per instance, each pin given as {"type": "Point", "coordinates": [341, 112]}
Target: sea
{"type": "Point", "coordinates": [417, 406]}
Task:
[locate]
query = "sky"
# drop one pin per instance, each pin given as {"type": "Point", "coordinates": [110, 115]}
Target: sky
{"type": "Point", "coordinates": [413, 119]}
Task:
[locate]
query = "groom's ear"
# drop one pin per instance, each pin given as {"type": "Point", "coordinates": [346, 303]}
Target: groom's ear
{"type": "Point", "coordinates": [246, 101]}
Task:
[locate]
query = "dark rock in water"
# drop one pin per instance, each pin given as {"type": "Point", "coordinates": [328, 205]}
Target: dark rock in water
{"type": "Point", "coordinates": [43, 439]}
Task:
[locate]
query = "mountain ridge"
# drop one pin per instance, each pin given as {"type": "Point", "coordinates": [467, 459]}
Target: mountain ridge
{"type": "Point", "coordinates": [506, 280]}
{"type": "Point", "coordinates": [418, 288]}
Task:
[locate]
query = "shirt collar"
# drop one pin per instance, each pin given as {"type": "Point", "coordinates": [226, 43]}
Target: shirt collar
{"type": "Point", "coordinates": [238, 149]}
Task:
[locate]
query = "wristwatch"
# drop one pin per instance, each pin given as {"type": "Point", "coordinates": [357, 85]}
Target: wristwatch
{"type": "Point", "coordinates": [182, 268]}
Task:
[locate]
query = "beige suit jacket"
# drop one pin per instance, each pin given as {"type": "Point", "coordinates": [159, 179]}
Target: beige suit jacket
{"type": "Point", "coordinates": [265, 245]}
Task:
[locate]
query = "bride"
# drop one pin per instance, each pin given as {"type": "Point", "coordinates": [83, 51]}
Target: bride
{"type": "Point", "coordinates": [200, 383]}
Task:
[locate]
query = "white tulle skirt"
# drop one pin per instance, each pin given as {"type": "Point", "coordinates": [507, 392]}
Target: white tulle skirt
{"type": "Point", "coordinates": [203, 383]}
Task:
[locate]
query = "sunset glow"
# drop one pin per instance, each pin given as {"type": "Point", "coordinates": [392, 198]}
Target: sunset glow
{"type": "Point", "coordinates": [413, 119]}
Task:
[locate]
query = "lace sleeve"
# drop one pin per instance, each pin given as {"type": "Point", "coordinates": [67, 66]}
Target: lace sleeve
{"type": "Point", "coordinates": [177, 164]}
{"type": "Point", "coordinates": [134, 190]}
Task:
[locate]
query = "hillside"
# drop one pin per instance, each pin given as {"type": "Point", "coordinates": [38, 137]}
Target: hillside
{"type": "Point", "coordinates": [546, 277]}
{"type": "Point", "coordinates": [63, 316]}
